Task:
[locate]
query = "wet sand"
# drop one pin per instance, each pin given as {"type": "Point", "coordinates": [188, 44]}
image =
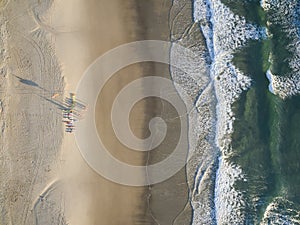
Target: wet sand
{"type": "Point", "coordinates": [84, 31]}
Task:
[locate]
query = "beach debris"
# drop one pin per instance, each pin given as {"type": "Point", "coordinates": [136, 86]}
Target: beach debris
{"type": "Point", "coordinates": [55, 95]}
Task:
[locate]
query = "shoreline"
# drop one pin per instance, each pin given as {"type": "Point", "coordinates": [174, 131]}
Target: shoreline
{"type": "Point", "coordinates": [242, 138]}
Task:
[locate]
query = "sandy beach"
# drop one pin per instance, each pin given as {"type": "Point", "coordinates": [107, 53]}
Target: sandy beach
{"type": "Point", "coordinates": [31, 131]}
{"type": "Point", "coordinates": [104, 25]}
{"type": "Point", "coordinates": [242, 140]}
{"type": "Point", "coordinates": [45, 49]}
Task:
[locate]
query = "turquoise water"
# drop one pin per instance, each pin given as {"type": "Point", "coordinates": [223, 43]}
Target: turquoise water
{"type": "Point", "coordinates": [266, 138]}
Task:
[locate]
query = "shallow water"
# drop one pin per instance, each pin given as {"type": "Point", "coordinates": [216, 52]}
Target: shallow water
{"type": "Point", "coordinates": [257, 133]}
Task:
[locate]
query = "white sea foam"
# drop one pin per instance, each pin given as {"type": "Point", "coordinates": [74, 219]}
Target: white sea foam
{"type": "Point", "coordinates": [201, 168]}
{"type": "Point", "coordinates": [285, 14]}
{"type": "Point", "coordinates": [270, 77]}
{"type": "Point", "coordinates": [281, 211]}
{"type": "Point", "coordinates": [225, 32]}
{"type": "Point", "coordinates": [213, 195]}
{"type": "Point", "coordinates": [284, 86]}
{"type": "Point", "coordinates": [229, 208]}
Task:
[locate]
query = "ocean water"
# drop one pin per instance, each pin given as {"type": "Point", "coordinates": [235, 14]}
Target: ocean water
{"type": "Point", "coordinates": [246, 131]}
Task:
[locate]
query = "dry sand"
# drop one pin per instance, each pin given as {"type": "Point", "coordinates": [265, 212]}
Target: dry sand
{"type": "Point", "coordinates": [31, 132]}
{"type": "Point", "coordinates": [53, 186]}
